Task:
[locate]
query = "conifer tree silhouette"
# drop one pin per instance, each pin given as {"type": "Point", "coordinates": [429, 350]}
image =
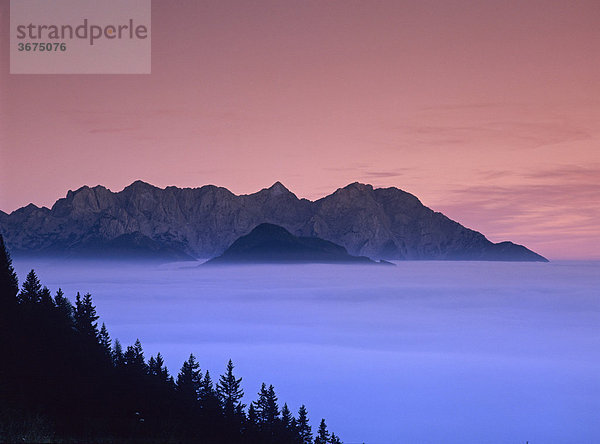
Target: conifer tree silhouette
{"type": "Point", "coordinates": [134, 358]}
{"type": "Point", "coordinates": [286, 417]}
{"type": "Point", "coordinates": [335, 439]}
{"type": "Point", "coordinates": [64, 308]}
{"type": "Point", "coordinates": [46, 299]}
{"type": "Point", "coordinates": [303, 426]}
{"type": "Point", "coordinates": [156, 367]}
{"type": "Point", "coordinates": [86, 317]}
{"type": "Point", "coordinates": [209, 398]}
{"type": "Point", "coordinates": [230, 393]}
{"type": "Point", "coordinates": [268, 413]}
{"type": "Point", "coordinates": [87, 392]}
{"type": "Point", "coordinates": [104, 340]}
{"type": "Point", "coordinates": [9, 283]}
{"type": "Point", "coordinates": [322, 434]}
{"type": "Point", "coordinates": [117, 354]}
{"type": "Point", "coordinates": [189, 380]}
{"type": "Point", "coordinates": [31, 290]}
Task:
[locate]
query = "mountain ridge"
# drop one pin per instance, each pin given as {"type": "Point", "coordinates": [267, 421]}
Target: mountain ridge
{"type": "Point", "coordinates": [381, 223]}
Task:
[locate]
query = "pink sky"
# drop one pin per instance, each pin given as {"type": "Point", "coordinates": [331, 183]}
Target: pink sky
{"type": "Point", "coordinates": [488, 111]}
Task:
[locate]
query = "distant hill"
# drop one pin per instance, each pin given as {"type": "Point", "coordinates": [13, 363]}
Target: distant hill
{"type": "Point", "coordinates": [381, 223]}
{"type": "Point", "coordinates": [269, 243]}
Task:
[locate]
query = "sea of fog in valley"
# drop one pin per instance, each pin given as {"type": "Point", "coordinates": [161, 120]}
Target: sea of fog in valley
{"type": "Point", "coordinates": [424, 352]}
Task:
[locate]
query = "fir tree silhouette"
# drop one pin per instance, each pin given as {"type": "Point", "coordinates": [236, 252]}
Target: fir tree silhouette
{"type": "Point", "coordinates": [117, 354]}
{"type": "Point", "coordinates": [335, 439]}
{"type": "Point", "coordinates": [9, 283]}
{"type": "Point", "coordinates": [87, 392]}
{"type": "Point", "coordinates": [31, 291]}
{"type": "Point", "coordinates": [156, 367]}
{"type": "Point", "coordinates": [303, 426]}
{"type": "Point", "coordinates": [86, 317]}
{"type": "Point", "coordinates": [104, 340]}
{"type": "Point", "coordinates": [134, 358]}
{"type": "Point", "coordinates": [322, 434]}
{"type": "Point", "coordinates": [230, 393]}
{"type": "Point", "coordinates": [189, 380]}
{"type": "Point", "coordinates": [64, 308]}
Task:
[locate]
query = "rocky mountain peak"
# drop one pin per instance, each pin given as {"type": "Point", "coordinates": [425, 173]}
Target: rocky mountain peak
{"type": "Point", "coordinates": [381, 223]}
{"type": "Point", "coordinates": [28, 209]}
{"type": "Point", "coordinates": [355, 189]}
{"type": "Point", "coordinates": [278, 189]}
{"type": "Point", "coordinates": [140, 186]}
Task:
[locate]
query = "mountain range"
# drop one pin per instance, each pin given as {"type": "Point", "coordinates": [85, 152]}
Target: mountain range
{"type": "Point", "coordinates": [185, 223]}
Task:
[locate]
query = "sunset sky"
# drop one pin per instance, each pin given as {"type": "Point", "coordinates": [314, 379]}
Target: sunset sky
{"type": "Point", "coordinates": [488, 111]}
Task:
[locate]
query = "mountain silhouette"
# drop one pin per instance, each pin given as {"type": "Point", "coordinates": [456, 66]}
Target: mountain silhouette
{"type": "Point", "coordinates": [381, 223]}
{"type": "Point", "coordinates": [269, 243]}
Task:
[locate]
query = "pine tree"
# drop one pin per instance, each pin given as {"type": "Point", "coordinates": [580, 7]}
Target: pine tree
{"type": "Point", "coordinates": [271, 412]}
{"type": "Point", "coordinates": [209, 399]}
{"type": "Point", "coordinates": [152, 366]}
{"type": "Point", "coordinates": [9, 289]}
{"type": "Point", "coordinates": [64, 308]}
{"type": "Point", "coordinates": [134, 358]}
{"type": "Point", "coordinates": [335, 439]}
{"type": "Point", "coordinates": [31, 290]}
{"type": "Point", "coordinates": [46, 299]}
{"type": "Point", "coordinates": [251, 425]}
{"type": "Point", "coordinates": [288, 425]}
{"type": "Point", "coordinates": [267, 412]}
{"type": "Point", "coordinates": [86, 317]}
{"type": "Point", "coordinates": [9, 284]}
{"type": "Point", "coordinates": [322, 435]}
{"type": "Point", "coordinates": [189, 379]}
{"type": "Point", "coordinates": [252, 414]}
{"type": "Point", "coordinates": [286, 417]}
{"type": "Point", "coordinates": [303, 427]}
{"type": "Point", "coordinates": [230, 393]}
{"type": "Point", "coordinates": [156, 367]}
{"type": "Point", "coordinates": [104, 340]}
{"type": "Point", "coordinates": [117, 354]}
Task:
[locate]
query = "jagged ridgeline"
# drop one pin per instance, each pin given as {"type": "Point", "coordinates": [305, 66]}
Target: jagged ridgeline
{"type": "Point", "coordinates": [178, 224]}
{"type": "Point", "coordinates": [62, 379]}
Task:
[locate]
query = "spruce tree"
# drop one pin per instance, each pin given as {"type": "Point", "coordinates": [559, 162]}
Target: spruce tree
{"type": "Point", "coordinates": [156, 367]}
{"type": "Point", "coordinates": [117, 354]}
{"type": "Point", "coordinates": [64, 308]}
{"type": "Point", "coordinates": [9, 284]}
{"type": "Point", "coordinates": [104, 340]}
{"type": "Point", "coordinates": [286, 417]}
{"type": "Point", "coordinates": [230, 393]}
{"type": "Point", "coordinates": [134, 358]}
{"type": "Point", "coordinates": [253, 414]}
{"type": "Point", "coordinates": [335, 439]}
{"type": "Point", "coordinates": [31, 290]}
{"type": "Point", "coordinates": [152, 371]}
{"type": "Point", "coordinates": [46, 299]}
{"type": "Point", "coordinates": [303, 427]}
{"type": "Point", "coordinates": [288, 424]}
{"type": "Point", "coordinates": [322, 435]}
{"type": "Point", "coordinates": [189, 379]}
{"type": "Point", "coordinates": [272, 410]}
{"type": "Point", "coordinates": [86, 317]}
{"type": "Point", "coordinates": [268, 413]}
{"type": "Point", "coordinates": [9, 289]}
{"type": "Point", "coordinates": [209, 399]}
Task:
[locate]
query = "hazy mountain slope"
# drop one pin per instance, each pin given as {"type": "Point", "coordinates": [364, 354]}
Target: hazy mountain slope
{"type": "Point", "coordinates": [202, 222]}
